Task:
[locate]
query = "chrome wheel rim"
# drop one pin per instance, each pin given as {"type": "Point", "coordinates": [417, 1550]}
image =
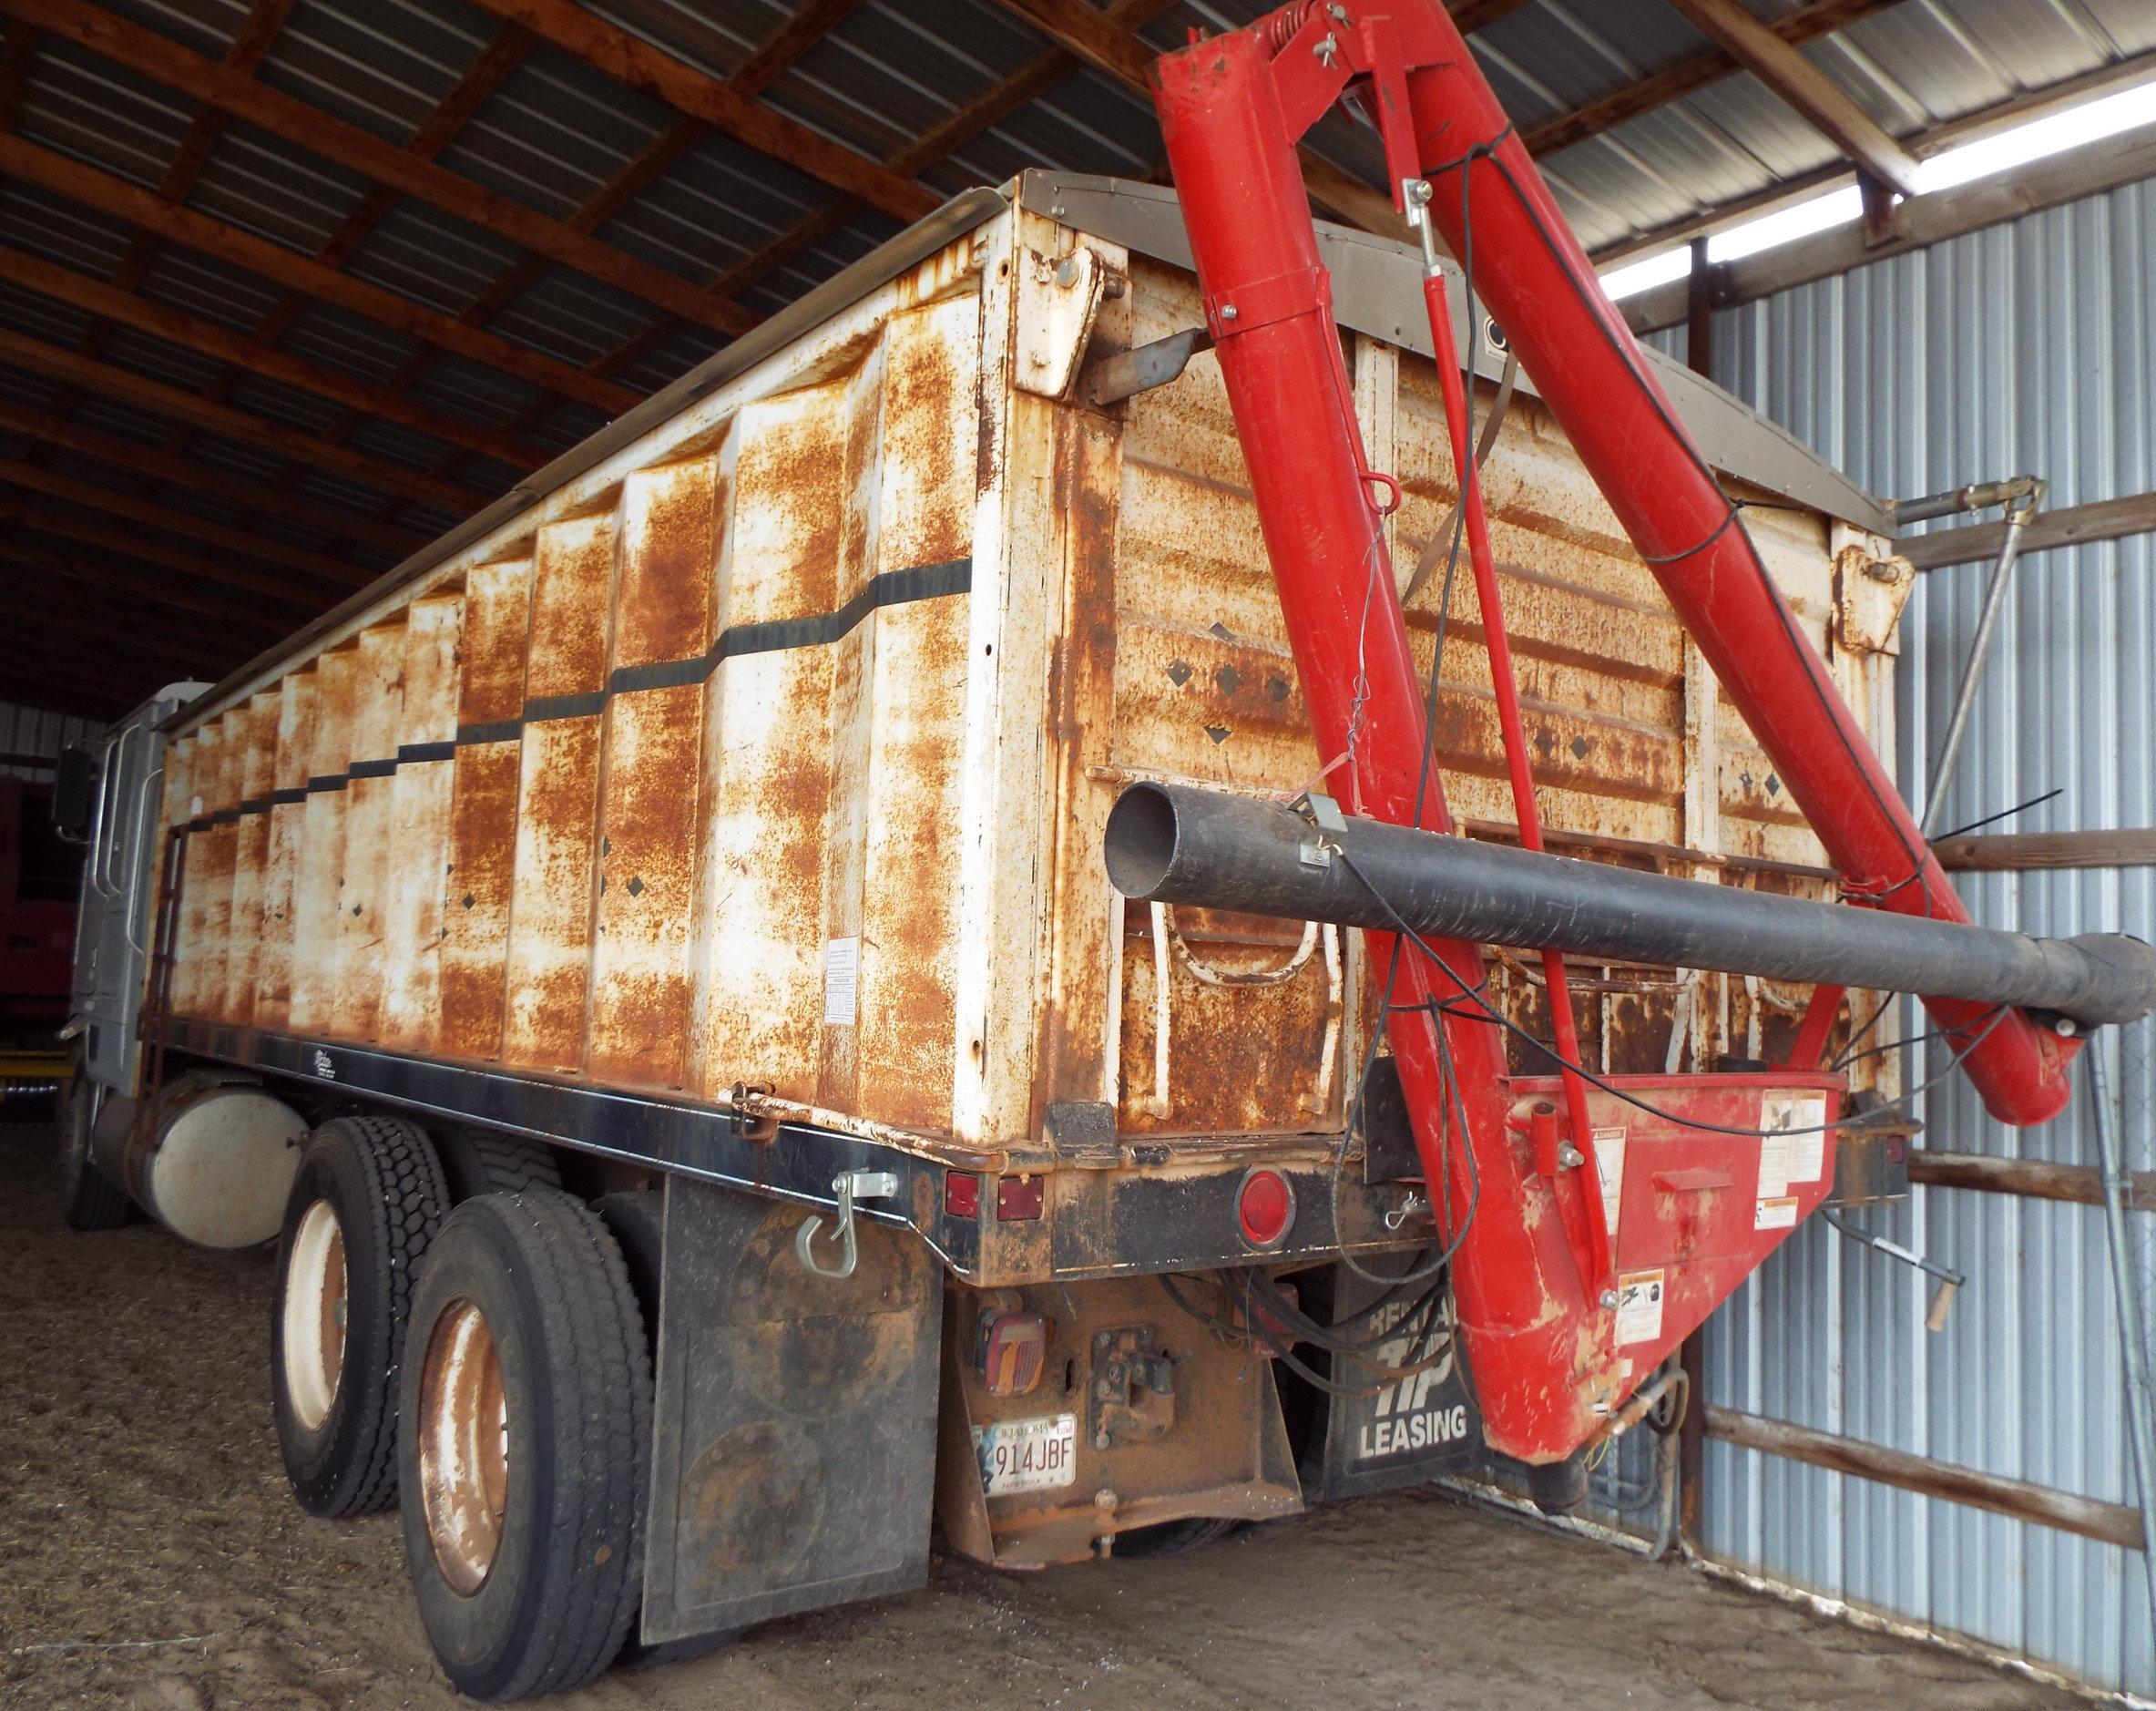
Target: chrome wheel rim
{"type": "Point", "coordinates": [315, 1307]}
{"type": "Point", "coordinates": [463, 1447]}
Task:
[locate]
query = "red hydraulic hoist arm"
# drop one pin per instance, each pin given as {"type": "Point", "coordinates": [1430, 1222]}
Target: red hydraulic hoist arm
{"type": "Point", "coordinates": [1536, 1302]}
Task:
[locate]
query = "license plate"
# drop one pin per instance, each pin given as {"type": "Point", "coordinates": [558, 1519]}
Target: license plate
{"type": "Point", "coordinates": [1026, 1455]}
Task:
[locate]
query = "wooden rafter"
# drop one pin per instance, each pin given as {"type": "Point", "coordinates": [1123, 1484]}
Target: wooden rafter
{"type": "Point", "coordinates": [347, 145]}
{"type": "Point", "coordinates": [630, 59]}
{"type": "Point", "coordinates": [1673, 83]}
{"type": "Point", "coordinates": [60, 585]}
{"type": "Point", "coordinates": [250, 44]}
{"type": "Point", "coordinates": [237, 613]}
{"type": "Point", "coordinates": [982, 114]}
{"type": "Point", "coordinates": [253, 356]}
{"type": "Point", "coordinates": [1817, 97]}
{"type": "Point", "coordinates": [50, 428]}
{"type": "Point", "coordinates": [807, 26]}
{"type": "Point", "coordinates": [83, 184]}
{"type": "Point", "coordinates": [315, 572]}
{"type": "Point", "coordinates": [192, 408]}
{"type": "Point", "coordinates": [131, 546]}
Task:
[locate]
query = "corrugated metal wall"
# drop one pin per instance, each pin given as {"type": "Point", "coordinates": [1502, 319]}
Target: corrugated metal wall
{"type": "Point", "coordinates": [27, 731]}
{"type": "Point", "coordinates": [2026, 348]}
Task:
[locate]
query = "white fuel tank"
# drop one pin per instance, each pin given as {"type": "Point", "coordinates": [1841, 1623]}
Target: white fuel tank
{"type": "Point", "coordinates": [215, 1164]}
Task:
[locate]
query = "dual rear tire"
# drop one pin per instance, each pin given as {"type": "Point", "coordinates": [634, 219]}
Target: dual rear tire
{"type": "Point", "coordinates": [487, 1370]}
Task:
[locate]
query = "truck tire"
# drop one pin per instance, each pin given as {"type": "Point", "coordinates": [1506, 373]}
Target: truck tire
{"type": "Point", "coordinates": [88, 1198]}
{"type": "Point", "coordinates": [487, 1162]}
{"type": "Point", "coordinates": [367, 1202]}
{"type": "Point", "coordinates": [526, 1448]}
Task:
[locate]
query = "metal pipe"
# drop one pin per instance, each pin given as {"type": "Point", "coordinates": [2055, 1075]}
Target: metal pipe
{"type": "Point", "coordinates": [2018, 514]}
{"type": "Point", "coordinates": [2089, 1517]}
{"type": "Point", "coordinates": [2133, 1343]}
{"type": "Point", "coordinates": [1175, 843]}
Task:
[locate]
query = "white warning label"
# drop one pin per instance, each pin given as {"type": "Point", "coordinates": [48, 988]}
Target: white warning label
{"type": "Point", "coordinates": [1639, 1306]}
{"type": "Point", "coordinates": [842, 981]}
{"type": "Point", "coordinates": [1795, 1151]}
{"type": "Point", "coordinates": [1777, 1213]}
{"type": "Point", "coordinates": [1609, 1167]}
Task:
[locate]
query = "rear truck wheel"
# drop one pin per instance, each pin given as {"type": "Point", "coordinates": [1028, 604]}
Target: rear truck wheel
{"type": "Point", "coordinates": [88, 1198]}
{"type": "Point", "coordinates": [487, 1162]}
{"type": "Point", "coordinates": [367, 1202]}
{"type": "Point", "coordinates": [527, 1444]}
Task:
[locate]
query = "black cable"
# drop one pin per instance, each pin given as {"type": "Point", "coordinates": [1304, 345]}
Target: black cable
{"type": "Point", "coordinates": [2003, 813]}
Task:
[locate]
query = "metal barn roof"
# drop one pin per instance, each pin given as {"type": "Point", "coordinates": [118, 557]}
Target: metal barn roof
{"type": "Point", "coordinates": [290, 287]}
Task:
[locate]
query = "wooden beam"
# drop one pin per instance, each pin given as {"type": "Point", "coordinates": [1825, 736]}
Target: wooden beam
{"type": "Point", "coordinates": [2075, 525]}
{"type": "Point", "coordinates": [196, 411]}
{"type": "Point", "coordinates": [238, 614]}
{"type": "Point", "coordinates": [54, 587]}
{"type": "Point", "coordinates": [185, 472]}
{"type": "Point", "coordinates": [650, 70]}
{"type": "Point", "coordinates": [983, 113]}
{"type": "Point", "coordinates": [191, 333]}
{"type": "Point", "coordinates": [776, 53]}
{"type": "Point", "coordinates": [146, 52]}
{"type": "Point", "coordinates": [1817, 97]}
{"type": "Point", "coordinates": [80, 183]}
{"type": "Point", "coordinates": [1673, 83]}
{"type": "Point", "coordinates": [313, 568]}
{"type": "Point", "coordinates": [1081, 28]}
{"type": "Point", "coordinates": [2042, 852]}
{"type": "Point", "coordinates": [2033, 1179]}
{"type": "Point", "coordinates": [52, 636]}
{"type": "Point", "coordinates": [2089, 1517]}
{"type": "Point", "coordinates": [214, 572]}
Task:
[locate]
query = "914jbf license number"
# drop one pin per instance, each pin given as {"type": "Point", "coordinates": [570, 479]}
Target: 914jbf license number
{"type": "Point", "coordinates": [1026, 1455]}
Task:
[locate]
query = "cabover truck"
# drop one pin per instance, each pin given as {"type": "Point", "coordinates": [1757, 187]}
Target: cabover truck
{"type": "Point", "coordinates": [650, 962]}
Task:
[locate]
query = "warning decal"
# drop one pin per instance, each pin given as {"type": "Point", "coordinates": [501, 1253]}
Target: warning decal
{"type": "Point", "coordinates": [1609, 1167]}
{"type": "Point", "coordinates": [842, 981]}
{"type": "Point", "coordinates": [1777, 1213]}
{"type": "Point", "coordinates": [1639, 1307]}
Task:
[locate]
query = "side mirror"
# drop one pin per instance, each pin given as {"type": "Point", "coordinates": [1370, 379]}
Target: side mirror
{"type": "Point", "coordinates": [72, 791]}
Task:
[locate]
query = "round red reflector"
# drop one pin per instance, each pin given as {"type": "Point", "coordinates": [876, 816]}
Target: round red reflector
{"type": "Point", "coordinates": [1265, 1207]}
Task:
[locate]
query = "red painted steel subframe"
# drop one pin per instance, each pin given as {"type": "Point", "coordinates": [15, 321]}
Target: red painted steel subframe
{"type": "Point", "coordinates": [1521, 1299]}
{"type": "Point", "coordinates": [1537, 283]}
{"type": "Point", "coordinates": [1534, 1320]}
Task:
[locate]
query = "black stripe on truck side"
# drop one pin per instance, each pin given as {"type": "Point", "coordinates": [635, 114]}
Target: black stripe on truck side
{"type": "Point", "coordinates": [818, 630]}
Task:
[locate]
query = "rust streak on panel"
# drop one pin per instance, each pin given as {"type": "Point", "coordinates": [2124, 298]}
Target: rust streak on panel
{"type": "Point", "coordinates": [250, 858]}
{"type": "Point", "coordinates": [550, 919]}
{"type": "Point", "coordinates": [766, 763]}
{"type": "Point", "coordinates": [641, 984]}
{"type": "Point", "coordinates": [364, 876]}
{"type": "Point", "coordinates": [483, 812]}
{"type": "Point", "coordinates": [414, 918]}
{"type": "Point", "coordinates": [295, 744]}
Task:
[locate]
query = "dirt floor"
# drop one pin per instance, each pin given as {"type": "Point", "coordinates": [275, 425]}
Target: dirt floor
{"type": "Point", "coordinates": [149, 1556]}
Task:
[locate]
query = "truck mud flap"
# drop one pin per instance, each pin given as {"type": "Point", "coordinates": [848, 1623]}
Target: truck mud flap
{"type": "Point", "coordinates": [794, 1454]}
{"type": "Point", "coordinates": [1383, 1434]}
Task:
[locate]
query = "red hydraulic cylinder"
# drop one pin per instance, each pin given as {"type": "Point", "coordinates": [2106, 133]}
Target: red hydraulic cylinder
{"type": "Point", "coordinates": [1525, 1312]}
{"type": "Point", "coordinates": [1534, 278]}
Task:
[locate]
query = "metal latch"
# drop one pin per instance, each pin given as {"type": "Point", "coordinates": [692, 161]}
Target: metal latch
{"type": "Point", "coordinates": [1324, 817]}
{"type": "Point", "coordinates": [849, 1186]}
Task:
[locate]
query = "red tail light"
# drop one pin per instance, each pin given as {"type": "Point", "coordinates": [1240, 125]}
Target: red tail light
{"type": "Point", "coordinates": [1265, 1207]}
